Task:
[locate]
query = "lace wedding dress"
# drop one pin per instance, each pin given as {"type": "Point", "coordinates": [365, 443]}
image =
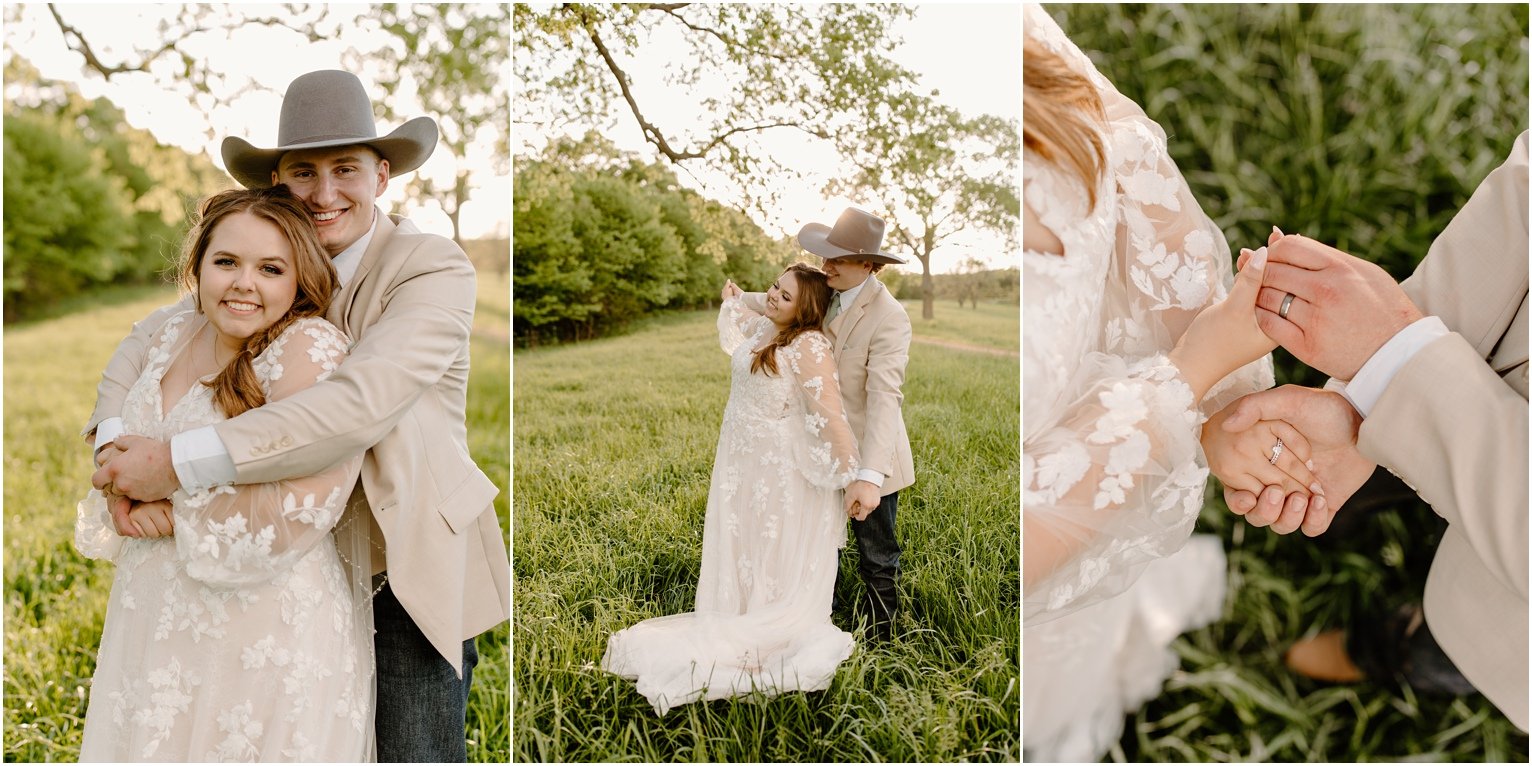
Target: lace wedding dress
{"type": "Point", "coordinates": [245, 636]}
{"type": "Point", "coordinates": [770, 541]}
{"type": "Point", "coordinates": [1113, 473]}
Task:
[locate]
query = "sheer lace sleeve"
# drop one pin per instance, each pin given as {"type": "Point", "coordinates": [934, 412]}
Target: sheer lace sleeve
{"type": "Point", "coordinates": [248, 533]}
{"type": "Point", "coordinates": [830, 457]}
{"type": "Point", "coordinates": [736, 323]}
{"type": "Point", "coordinates": [94, 535]}
{"type": "Point", "coordinates": [1113, 473]}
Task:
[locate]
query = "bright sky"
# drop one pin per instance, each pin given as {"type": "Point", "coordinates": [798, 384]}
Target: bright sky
{"type": "Point", "coordinates": [271, 58]}
{"type": "Point", "coordinates": [969, 53]}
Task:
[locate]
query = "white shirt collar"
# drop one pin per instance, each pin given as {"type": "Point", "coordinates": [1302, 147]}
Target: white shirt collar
{"type": "Point", "coordinates": [349, 259]}
{"type": "Point", "coordinates": [849, 295]}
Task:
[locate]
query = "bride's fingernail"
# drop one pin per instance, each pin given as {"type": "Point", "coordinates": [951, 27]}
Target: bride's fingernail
{"type": "Point", "coordinates": [1318, 505]}
{"type": "Point", "coordinates": [1316, 489]}
{"type": "Point", "coordinates": [1278, 231]}
{"type": "Point", "coordinates": [1258, 258]}
{"type": "Point", "coordinates": [1309, 464]}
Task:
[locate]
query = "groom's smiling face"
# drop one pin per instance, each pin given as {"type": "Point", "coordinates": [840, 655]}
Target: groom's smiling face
{"type": "Point", "coordinates": [338, 186]}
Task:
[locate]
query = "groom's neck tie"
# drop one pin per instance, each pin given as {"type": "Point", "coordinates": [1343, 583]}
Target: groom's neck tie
{"type": "Point", "coordinates": [834, 309]}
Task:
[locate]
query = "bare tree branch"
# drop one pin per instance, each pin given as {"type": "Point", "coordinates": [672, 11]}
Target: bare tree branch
{"type": "Point", "coordinates": [651, 132]}
{"type": "Point", "coordinates": [77, 43]}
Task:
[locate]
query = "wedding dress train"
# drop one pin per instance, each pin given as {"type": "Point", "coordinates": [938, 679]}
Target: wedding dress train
{"type": "Point", "coordinates": [771, 538]}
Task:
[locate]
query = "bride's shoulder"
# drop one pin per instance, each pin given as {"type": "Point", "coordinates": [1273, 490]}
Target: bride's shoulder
{"type": "Point", "coordinates": [814, 342]}
{"type": "Point", "coordinates": [310, 340]}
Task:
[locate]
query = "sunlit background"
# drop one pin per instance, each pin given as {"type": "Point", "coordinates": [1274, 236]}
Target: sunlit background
{"type": "Point", "coordinates": [257, 62]}
{"type": "Point", "coordinates": [968, 55]}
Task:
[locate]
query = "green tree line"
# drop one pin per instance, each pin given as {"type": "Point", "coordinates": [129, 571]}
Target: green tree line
{"type": "Point", "coordinates": [89, 200]}
{"type": "Point", "coordinates": [601, 238]}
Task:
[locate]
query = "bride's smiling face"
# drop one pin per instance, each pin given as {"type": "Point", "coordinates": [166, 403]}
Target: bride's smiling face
{"type": "Point", "coordinates": [247, 281]}
{"type": "Point", "coordinates": [782, 300]}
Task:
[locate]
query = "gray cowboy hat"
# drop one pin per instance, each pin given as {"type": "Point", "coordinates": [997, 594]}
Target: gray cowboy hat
{"type": "Point", "coordinates": [856, 234]}
{"type": "Point", "coordinates": [324, 109]}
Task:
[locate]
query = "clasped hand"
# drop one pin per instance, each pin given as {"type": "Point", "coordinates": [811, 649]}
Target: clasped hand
{"type": "Point", "coordinates": [131, 474]}
{"type": "Point", "coordinates": [1339, 311]}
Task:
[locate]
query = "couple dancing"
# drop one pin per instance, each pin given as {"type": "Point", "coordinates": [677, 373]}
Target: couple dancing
{"type": "Point", "coordinates": [267, 605]}
{"type": "Point", "coordinates": [812, 433]}
{"type": "Point", "coordinates": [1144, 372]}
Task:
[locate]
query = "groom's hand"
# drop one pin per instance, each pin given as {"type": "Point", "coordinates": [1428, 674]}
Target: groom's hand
{"type": "Point", "coordinates": [1343, 308]}
{"type": "Point", "coordinates": [862, 498]}
{"type": "Point", "coordinates": [1330, 425]}
{"type": "Point", "coordinates": [143, 471]}
{"type": "Point", "coordinates": [1243, 462]}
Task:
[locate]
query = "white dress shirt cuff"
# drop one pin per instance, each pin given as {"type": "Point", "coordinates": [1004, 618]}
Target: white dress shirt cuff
{"type": "Point", "coordinates": [869, 475]}
{"type": "Point", "coordinates": [200, 459]}
{"type": "Point", "coordinates": [106, 431]}
{"type": "Point", "coordinates": [1368, 386]}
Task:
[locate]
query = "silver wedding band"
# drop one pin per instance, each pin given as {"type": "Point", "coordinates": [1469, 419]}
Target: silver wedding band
{"type": "Point", "coordinates": [1287, 303]}
{"type": "Point", "coordinates": [1276, 450]}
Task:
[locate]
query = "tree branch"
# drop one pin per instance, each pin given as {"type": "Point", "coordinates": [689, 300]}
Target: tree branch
{"type": "Point", "coordinates": [77, 43]}
{"type": "Point", "coordinates": [652, 132]}
{"type": "Point", "coordinates": [670, 10]}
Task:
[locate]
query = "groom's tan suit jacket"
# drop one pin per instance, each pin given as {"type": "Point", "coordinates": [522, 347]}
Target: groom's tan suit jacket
{"type": "Point", "coordinates": [1453, 424]}
{"type": "Point", "coordinates": [401, 395]}
{"type": "Point", "coordinates": [872, 347]}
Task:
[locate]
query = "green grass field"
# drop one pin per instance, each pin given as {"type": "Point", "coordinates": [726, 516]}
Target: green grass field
{"type": "Point", "coordinates": [992, 324]}
{"type": "Point", "coordinates": [55, 599]}
{"type": "Point", "coordinates": [614, 445]}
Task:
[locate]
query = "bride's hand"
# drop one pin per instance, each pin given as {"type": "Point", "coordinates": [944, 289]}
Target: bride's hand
{"type": "Point", "coordinates": [1242, 461]}
{"type": "Point", "coordinates": [730, 290]}
{"type": "Point", "coordinates": [153, 519]}
{"type": "Point", "coordinates": [1225, 336]}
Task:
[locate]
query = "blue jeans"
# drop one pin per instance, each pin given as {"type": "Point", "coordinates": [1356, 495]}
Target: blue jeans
{"type": "Point", "coordinates": [422, 704]}
{"type": "Point", "coordinates": [879, 565]}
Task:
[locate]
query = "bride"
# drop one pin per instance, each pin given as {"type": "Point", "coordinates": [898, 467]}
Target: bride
{"type": "Point", "coordinates": [774, 523]}
{"type": "Point", "coordinates": [238, 626]}
{"type": "Point", "coordinates": [1132, 334]}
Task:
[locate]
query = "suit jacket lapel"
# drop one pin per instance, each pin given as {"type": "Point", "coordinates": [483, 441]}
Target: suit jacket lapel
{"type": "Point", "coordinates": [840, 329]}
{"type": "Point", "coordinates": [340, 310]}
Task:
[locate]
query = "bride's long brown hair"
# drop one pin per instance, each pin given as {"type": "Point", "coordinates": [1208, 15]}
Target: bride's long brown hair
{"type": "Point", "coordinates": [1061, 115]}
{"type": "Point", "coordinates": [236, 389]}
{"type": "Point", "coordinates": [813, 301]}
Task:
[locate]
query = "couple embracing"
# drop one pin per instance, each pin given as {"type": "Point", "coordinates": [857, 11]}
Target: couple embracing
{"type": "Point", "coordinates": [812, 433]}
{"type": "Point", "coordinates": [305, 551]}
{"type": "Point", "coordinates": [1146, 369]}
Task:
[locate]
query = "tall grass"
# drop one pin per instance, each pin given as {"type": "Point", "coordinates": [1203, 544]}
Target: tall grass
{"type": "Point", "coordinates": [614, 448]}
{"type": "Point", "coordinates": [1367, 127]}
{"type": "Point", "coordinates": [55, 600]}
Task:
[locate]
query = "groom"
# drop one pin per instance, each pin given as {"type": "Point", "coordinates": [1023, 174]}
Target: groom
{"type": "Point", "coordinates": [407, 301]}
{"type": "Point", "coordinates": [871, 335]}
{"type": "Point", "coordinates": [1429, 379]}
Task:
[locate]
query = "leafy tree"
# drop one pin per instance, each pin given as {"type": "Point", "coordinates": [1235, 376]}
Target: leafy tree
{"type": "Point", "coordinates": [152, 189]}
{"type": "Point", "coordinates": [450, 54]}
{"type": "Point", "coordinates": [454, 54]}
{"type": "Point", "coordinates": [808, 68]}
{"type": "Point", "coordinates": [602, 238]}
{"type": "Point", "coordinates": [937, 173]}
{"type": "Point", "coordinates": [67, 221]}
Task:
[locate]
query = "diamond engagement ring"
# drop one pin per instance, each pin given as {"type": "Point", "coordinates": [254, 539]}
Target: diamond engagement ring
{"type": "Point", "coordinates": [1287, 303]}
{"type": "Point", "coordinates": [1276, 451]}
